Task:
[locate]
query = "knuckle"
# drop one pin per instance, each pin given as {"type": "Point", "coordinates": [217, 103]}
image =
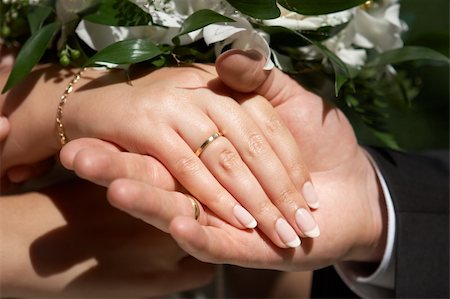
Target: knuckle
{"type": "Point", "coordinates": [256, 144]}
{"type": "Point", "coordinates": [265, 208]}
{"type": "Point", "coordinates": [285, 197]}
{"type": "Point", "coordinates": [205, 131]}
{"type": "Point", "coordinates": [187, 166]}
{"type": "Point", "coordinates": [229, 160]}
{"type": "Point", "coordinates": [298, 171]}
{"type": "Point", "coordinates": [273, 125]}
{"type": "Point", "coordinates": [152, 174]}
{"type": "Point", "coordinates": [190, 76]}
{"type": "Point", "coordinates": [218, 198]}
{"type": "Point", "coordinates": [221, 197]}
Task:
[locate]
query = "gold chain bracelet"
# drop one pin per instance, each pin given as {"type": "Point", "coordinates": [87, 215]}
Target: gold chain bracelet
{"type": "Point", "coordinates": [62, 101]}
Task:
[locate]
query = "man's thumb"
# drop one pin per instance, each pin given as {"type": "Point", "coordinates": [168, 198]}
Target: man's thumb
{"type": "Point", "coordinates": [243, 71]}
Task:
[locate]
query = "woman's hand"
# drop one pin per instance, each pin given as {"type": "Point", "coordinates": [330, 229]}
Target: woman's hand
{"type": "Point", "coordinates": [351, 214]}
{"type": "Point", "coordinates": [66, 241]}
{"type": "Point", "coordinates": [254, 171]}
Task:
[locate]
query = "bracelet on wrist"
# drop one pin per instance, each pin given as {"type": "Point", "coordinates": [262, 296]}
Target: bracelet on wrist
{"type": "Point", "coordinates": [62, 101]}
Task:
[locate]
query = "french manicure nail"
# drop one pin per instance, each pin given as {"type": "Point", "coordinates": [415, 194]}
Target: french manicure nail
{"type": "Point", "coordinates": [287, 233]}
{"type": "Point", "coordinates": [244, 217]}
{"type": "Point", "coordinates": [306, 223]}
{"type": "Point", "coordinates": [310, 195]}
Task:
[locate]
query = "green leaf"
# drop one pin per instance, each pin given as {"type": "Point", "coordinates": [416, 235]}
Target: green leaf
{"type": "Point", "coordinates": [407, 54]}
{"type": "Point", "coordinates": [37, 16]}
{"type": "Point", "coordinates": [284, 62]}
{"type": "Point", "coordinates": [259, 9]}
{"type": "Point", "coordinates": [342, 71]}
{"type": "Point", "coordinates": [387, 138]}
{"type": "Point", "coordinates": [282, 36]}
{"type": "Point", "coordinates": [200, 19]}
{"type": "Point", "coordinates": [116, 13]}
{"type": "Point", "coordinates": [30, 54]}
{"type": "Point", "coordinates": [319, 7]}
{"type": "Point", "coordinates": [324, 32]}
{"type": "Point", "coordinates": [126, 52]}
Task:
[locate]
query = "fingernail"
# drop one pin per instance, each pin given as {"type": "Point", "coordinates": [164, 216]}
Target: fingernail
{"type": "Point", "coordinates": [310, 195]}
{"type": "Point", "coordinates": [244, 217]}
{"type": "Point", "coordinates": [306, 223]}
{"type": "Point", "coordinates": [287, 233]}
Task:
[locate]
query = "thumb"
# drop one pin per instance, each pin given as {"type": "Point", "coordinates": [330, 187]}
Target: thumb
{"type": "Point", "coordinates": [243, 71]}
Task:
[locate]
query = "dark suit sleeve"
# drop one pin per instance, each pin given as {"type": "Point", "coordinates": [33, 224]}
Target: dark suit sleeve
{"type": "Point", "coordinates": [419, 186]}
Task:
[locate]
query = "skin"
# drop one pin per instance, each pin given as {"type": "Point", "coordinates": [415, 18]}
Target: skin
{"type": "Point", "coordinates": [69, 251]}
{"type": "Point", "coordinates": [173, 111]}
{"type": "Point", "coordinates": [352, 212]}
{"type": "Point", "coordinates": [63, 250]}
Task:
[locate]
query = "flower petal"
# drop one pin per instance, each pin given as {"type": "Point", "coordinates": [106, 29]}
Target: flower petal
{"type": "Point", "coordinates": [354, 57]}
{"type": "Point", "coordinates": [214, 33]}
{"type": "Point", "coordinates": [99, 36]}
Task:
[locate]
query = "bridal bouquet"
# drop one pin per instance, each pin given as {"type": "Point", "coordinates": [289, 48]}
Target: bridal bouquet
{"type": "Point", "coordinates": [355, 43]}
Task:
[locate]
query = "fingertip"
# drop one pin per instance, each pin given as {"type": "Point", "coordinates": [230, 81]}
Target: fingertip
{"type": "Point", "coordinates": [242, 70]}
{"type": "Point", "coordinates": [67, 156]}
{"type": "Point", "coordinates": [70, 150]}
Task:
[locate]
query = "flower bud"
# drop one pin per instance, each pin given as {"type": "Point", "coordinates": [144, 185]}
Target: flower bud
{"type": "Point", "coordinates": [75, 54]}
{"type": "Point", "coordinates": [64, 60]}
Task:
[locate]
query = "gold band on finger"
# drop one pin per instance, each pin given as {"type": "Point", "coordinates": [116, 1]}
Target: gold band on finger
{"type": "Point", "coordinates": [195, 205]}
{"type": "Point", "coordinates": [208, 141]}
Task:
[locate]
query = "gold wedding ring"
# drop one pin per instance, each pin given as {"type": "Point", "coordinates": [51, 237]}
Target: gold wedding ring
{"type": "Point", "coordinates": [208, 141]}
{"type": "Point", "coordinates": [195, 205]}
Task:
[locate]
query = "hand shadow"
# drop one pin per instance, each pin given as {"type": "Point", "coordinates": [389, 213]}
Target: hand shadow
{"type": "Point", "coordinates": [123, 247]}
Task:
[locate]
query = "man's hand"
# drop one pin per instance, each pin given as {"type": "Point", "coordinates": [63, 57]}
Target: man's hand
{"type": "Point", "coordinates": [351, 210]}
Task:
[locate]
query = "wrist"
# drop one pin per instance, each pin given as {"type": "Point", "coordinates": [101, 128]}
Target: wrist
{"type": "Point", "coordinates": [370, 245]}
{"type": "Point", "coordinates": [85, 106]}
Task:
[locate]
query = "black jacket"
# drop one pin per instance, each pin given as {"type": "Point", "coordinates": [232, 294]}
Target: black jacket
{"type": "Point", "coordinates": [419, 187]}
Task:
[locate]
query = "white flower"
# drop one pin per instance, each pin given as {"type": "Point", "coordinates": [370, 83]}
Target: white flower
{"type": "Point", "coordinates": [379, 28]}
{"type": "Point", "coordinates": [99, 36]}
{"type": "Point", "coordinates": [298, 22]}
{"type": "Point", "coordinates": [347, 53]}
{"type": "Point", "coordinates": [376, 28]}
{"type": "Point", "coordinates": [168, 17]}
{"type": "Point", "coordinates": [239, 35]}
{"type": "Point", "coordinates": [67, 10]}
